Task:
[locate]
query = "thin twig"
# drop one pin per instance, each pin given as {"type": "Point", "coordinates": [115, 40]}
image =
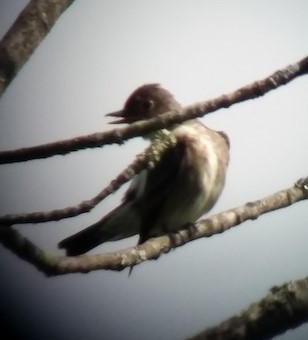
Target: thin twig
{"type": "Point", "coordinates": [153, 248]}
{"type": "Point", "coordinates": [83, 207]}
{"type": "Point", "coordinates": [118, 136]}
{"type": "Point", "coordinates": [161, 141]}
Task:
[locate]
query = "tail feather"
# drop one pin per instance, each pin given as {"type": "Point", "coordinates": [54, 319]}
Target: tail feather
{"type": "Point", "coordinates": [120, 223]}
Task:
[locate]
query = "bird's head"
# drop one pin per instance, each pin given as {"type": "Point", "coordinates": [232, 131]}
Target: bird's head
{"type": "Point", "coordinates": [145, 102]}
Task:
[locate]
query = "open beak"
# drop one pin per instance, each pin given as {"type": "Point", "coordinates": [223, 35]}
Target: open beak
{"type": "Point", "coordinates": [117, 114]}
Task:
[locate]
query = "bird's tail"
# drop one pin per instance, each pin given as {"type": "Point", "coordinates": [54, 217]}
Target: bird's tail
{"type": "Point", "coordinates": [120, 223]}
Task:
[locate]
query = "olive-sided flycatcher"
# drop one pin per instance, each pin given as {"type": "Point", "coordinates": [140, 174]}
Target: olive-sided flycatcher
{"type": "Point", "coordinates": [183, 185]}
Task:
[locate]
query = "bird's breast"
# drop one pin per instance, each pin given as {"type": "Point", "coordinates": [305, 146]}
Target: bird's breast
{"type": "Point", "coordinates": [202, 175]}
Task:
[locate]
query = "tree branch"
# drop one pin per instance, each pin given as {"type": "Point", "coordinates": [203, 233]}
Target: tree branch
{"type": "Point", "coordinates": [83, 207]}
{"type": "Point", "coordinates": [28, 30]}
{"type": "Point", "coordinates": [162, 140]}
{"type": "Point", "coordinates": [118, 136]}
{"type": "Point", "coordinates": [57, 265]}
{"type": "Point", "coordinates": [284, 307]}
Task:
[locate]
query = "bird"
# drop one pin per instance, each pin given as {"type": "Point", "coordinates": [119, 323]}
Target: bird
{"type": "Point", "coordinates": [182, 186]}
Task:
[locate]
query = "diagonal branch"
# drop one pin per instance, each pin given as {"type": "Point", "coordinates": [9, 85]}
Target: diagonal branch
{"type": "Point", "coordinates": [283, 308]}
{"type": "Point", "coordinates": [86, 206]}
{"type": "Point", "coordinates": [28, 30]}
{"type": "Point", "coordinates": [161, 141]}
{"type": "Point", "coordinates": [118, 136]}
{"type": "Point", "coordinates": [58, 265]}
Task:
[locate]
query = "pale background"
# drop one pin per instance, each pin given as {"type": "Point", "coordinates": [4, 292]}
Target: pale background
{"type": "Point", "coordinates": [96, 54]}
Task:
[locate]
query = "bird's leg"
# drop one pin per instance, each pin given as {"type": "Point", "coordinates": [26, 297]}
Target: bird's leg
{"type": "Point", "coordinates": [191, 229]}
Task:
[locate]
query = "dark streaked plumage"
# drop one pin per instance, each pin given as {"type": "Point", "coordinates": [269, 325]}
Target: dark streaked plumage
{"type": "Point", "coordinates": [182, 186]}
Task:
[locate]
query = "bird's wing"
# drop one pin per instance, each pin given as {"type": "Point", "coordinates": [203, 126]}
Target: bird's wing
{"type": "Point", "coordinates": [121, 222]}
{"type": "Point", "coordinates": [142, 202]}
{"type": "Point", "coordinates": [158, 183]}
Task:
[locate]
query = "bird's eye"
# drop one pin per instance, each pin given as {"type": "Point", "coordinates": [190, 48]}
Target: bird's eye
{"type": "Point", "coordinates": [147, 105]}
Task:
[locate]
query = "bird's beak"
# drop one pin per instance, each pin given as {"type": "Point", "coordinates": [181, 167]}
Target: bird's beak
{"type": "Point", "coordinates": [117, 114]}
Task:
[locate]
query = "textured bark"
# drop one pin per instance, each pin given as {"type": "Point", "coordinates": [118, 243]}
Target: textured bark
{"type": "Point", "coordinates": [28, 30]}
{"type": "Point", "coordinates": [146, 159]}
{"type": "Point", "coordinates": [83, 207]}
{"type": "Point", "coordinates": [284, 308]}
{"type": "Point", "coordinates": [250, 91]}
{"type": "Point", "coordinates": [57, 265]}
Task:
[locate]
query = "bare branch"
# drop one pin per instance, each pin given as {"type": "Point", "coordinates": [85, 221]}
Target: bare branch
{"type": "Point", "coordinates": [28, 30]}
{"type": "Point", "coordinates": [118, 136]}
{"type": "Point", "coordinates": [153, 248]}
{"type": "Point", "coordinates": [284, 307]}
{"type": "Point", "coordinates": [162, 140]}
{"type": "Point", "coordinates": [83, 207]}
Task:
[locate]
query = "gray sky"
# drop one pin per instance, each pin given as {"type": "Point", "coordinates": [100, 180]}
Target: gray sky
{"type": "Point", "coordinates": [96, 54]}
